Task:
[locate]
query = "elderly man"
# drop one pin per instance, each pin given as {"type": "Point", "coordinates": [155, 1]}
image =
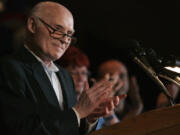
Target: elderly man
{"type": "Point", "coordinates": [36, 96]}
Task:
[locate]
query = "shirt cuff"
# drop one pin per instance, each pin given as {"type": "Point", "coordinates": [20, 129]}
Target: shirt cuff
{"type": "Point", "coordinates": [77, 115]}
{"type": "Point", "coordinates": [91, 126]}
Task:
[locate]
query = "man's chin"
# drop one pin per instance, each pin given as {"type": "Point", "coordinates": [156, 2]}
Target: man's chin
{"type": "Point", "coordinates": [56, 57]}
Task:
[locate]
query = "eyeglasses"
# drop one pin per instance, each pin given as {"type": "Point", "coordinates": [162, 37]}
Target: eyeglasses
{"type": "Point", "coordinates": [57, 34]}
{"type": "Point", "coordinates": [80, 73]}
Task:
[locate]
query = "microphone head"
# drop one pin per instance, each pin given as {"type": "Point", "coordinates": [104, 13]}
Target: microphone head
{"type": "Point", "coordinates": [134, 48]}
{"type": "Point", "coordinates": [154, 60]}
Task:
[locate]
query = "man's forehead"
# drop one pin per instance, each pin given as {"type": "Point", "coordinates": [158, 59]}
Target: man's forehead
{"type": "Point", "coordinates": [62, 20]}
{"type": "Point", "coordinates": [54, 13]}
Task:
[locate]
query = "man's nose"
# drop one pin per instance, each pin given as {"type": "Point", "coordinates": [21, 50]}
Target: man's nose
{"type": "Point", "coordinates": [65, 39]}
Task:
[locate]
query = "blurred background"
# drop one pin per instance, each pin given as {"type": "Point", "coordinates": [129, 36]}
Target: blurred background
{"type": "Point", "coordinates": [101, 29]}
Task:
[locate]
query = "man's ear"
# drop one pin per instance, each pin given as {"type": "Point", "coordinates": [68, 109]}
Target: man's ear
{"type": "Point", "coordinates": [31, 26]}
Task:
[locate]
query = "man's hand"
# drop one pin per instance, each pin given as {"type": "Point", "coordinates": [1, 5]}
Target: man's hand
{"type": "Point", "coordinates": [105, 108]}
{"type": "Point", "coordinates": [92, 97]}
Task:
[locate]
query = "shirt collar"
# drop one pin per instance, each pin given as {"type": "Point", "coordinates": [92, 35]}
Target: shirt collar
{"type": "Point", "coordinates": [51, 67]}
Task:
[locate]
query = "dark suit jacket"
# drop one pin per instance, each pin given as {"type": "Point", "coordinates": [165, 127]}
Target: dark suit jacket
{"type": "Point", "coordinates": [28, 102]}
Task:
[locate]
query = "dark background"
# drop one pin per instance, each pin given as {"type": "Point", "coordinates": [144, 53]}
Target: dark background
{"type": "Point", "coordinates": [101, 26]}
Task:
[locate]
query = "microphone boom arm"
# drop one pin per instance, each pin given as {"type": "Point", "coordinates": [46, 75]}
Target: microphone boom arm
{"type": "Point", "coordinates": [155, 77]}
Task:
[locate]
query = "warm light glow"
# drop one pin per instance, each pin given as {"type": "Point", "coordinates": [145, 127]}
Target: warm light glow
{"type": "Point", "coordinates": [174, 69]}
{"type": "Point", "coordinates": [178, 78]}
{"type": "Point", "coordinates": [1, 6]}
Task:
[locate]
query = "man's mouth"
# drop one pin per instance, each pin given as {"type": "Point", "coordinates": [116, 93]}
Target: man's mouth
{"type": "Point", "coordinates": [59, 46]}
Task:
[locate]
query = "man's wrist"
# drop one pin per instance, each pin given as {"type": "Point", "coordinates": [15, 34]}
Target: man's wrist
{"type": "Point", "coordinates": [91, 126]}
{"type": "Point", "coordinates": [77, 115]}
{"type": "Point", "coordinates": [91, 120]}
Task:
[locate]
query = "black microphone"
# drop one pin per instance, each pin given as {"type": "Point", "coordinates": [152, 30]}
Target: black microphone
{"type": "Point", "coordinates": [154, 60]}
{"type": "Point", "coordinates": [149, 62]}
{"type": "Point", "coordinates": [135, 51]}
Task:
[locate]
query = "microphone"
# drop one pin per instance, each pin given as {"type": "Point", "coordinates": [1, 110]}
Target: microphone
{"type": "Point", "coordinates": [165, 67]}
{"type": "Point", "coordinates": [149, 62]}
{"type": "Point", "coordinates": [135, 51]}
{"type": "Point", "coordinates": [154, 60]}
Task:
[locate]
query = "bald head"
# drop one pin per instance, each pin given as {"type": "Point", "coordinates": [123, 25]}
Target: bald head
{"type": "Point", "coordinates": [49, 9]}
{"type": "Point", "coordinates": [53, 13]}
{"type": "Point", "coordinates": [111, 66]}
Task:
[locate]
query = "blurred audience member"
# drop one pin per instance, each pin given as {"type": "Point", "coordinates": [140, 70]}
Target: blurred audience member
{"type": "Point", "coordinates": [162, 100]}
{"type": "Point", "coordinates": [77, 63]}
{"type": "Point", "coordinates": [132, 105]}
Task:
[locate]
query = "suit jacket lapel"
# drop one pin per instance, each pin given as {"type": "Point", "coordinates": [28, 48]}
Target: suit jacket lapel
{"type": "Point", "coordinates": [40, 76]}
{"type": "Point", "coordinates": [45, 84]}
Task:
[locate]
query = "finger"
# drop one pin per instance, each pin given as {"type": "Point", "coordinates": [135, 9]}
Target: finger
{"type": "Point", "coordinates": [101, 98]}
{"type": "Point", "coordinates": [86, 87]}
{"type": "Point", "coordinates": [107, 76]}
{"type": "Point", "coordinates": [98, 109]}
{"type": "Point", "coordinates": [111, 107]}
{"type": "Point", "coordinates": [96, 101]}
{"type": "Point", "coordinates": [118, 85]}
{"type": "Point", "coordinates": [93, 80]}
{"type": "Point", "coordinates": [108, 100]}
{"type": "Point", "coordinates": [108, 104]}
{"type": "Point", "coordinates": [115, 78]}
{"type": "Point", "coordinates": [111, 102]}
{"type": "Point", "coordinates": [98, 84]}
{"type": "Point", "coordinates": [122, 96]}
{"type": "Point", "coordinates": [107, 87]}
{"type": "Point", "coordinates": [116, 88]}
{"type": "Point", "coordinates": [103, 94]}
{"type": "Point", "coordinates": [116, 100]}
{"type": "Point", "coordinates": [107, 111]}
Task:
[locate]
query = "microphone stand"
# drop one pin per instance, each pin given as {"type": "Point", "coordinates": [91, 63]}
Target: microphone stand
{"type": "Point", "coordinates": [155, 77]}
{"type": "Point", "coordinates": [175, 80]}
